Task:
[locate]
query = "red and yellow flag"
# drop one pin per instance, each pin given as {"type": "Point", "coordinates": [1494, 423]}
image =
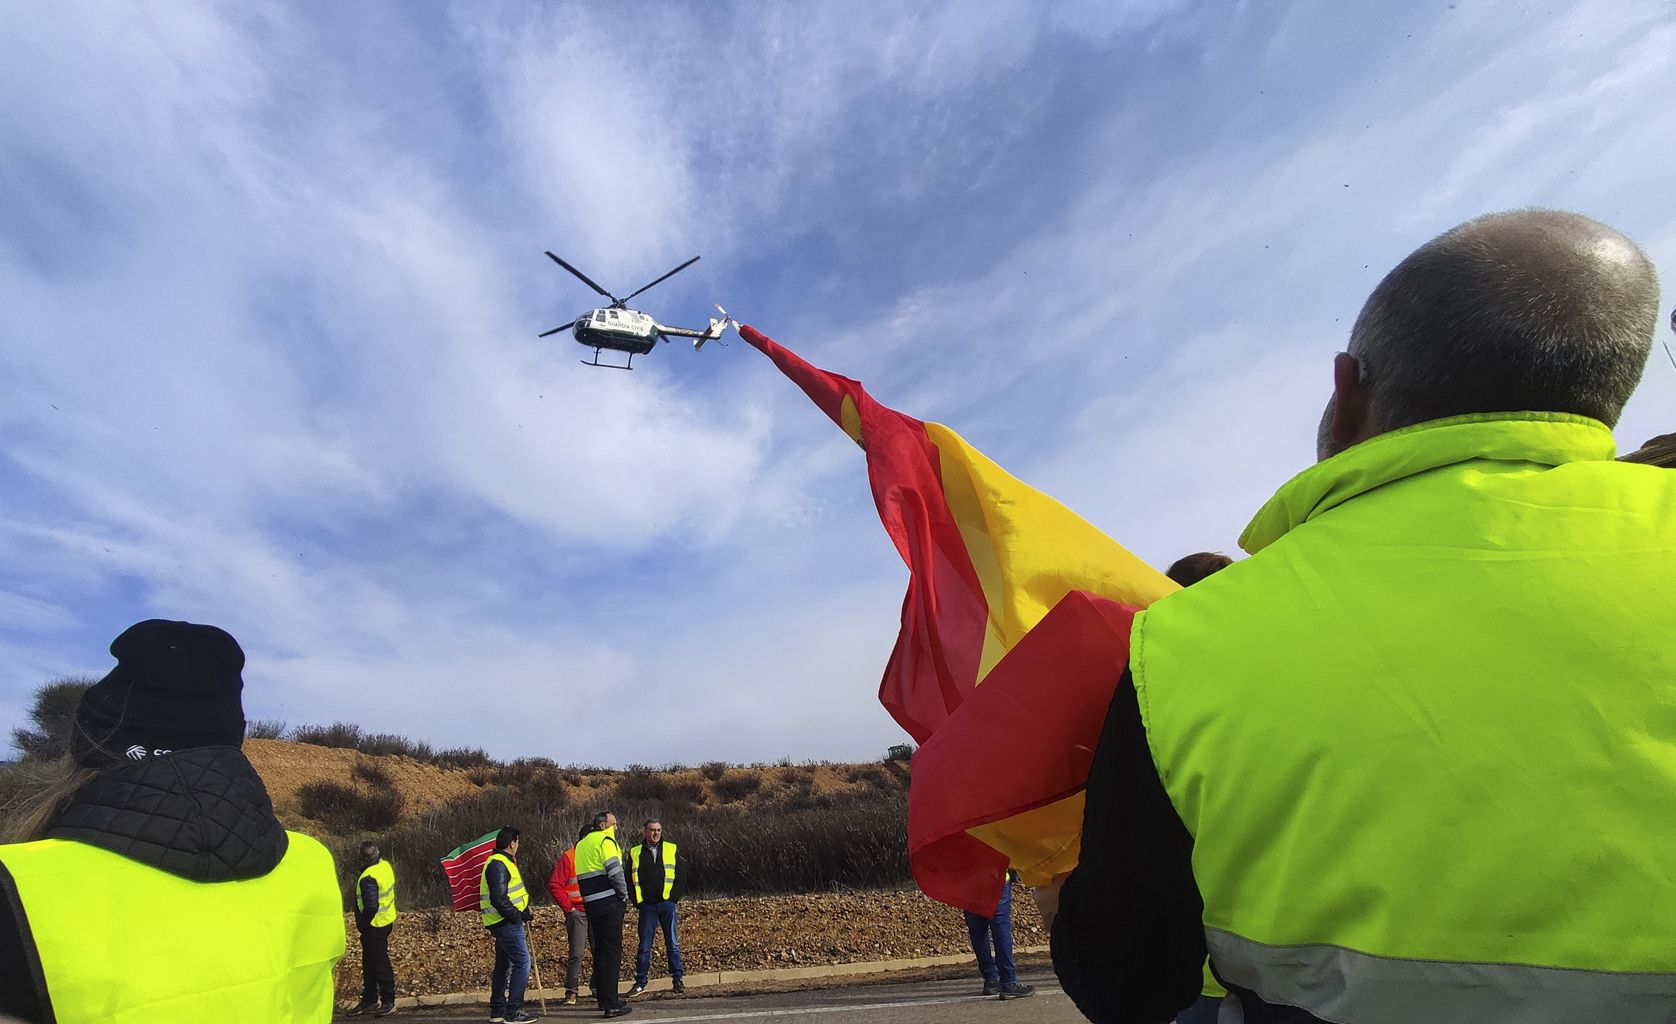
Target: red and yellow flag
{"type": "Point", "coordinates": [1015, 631]}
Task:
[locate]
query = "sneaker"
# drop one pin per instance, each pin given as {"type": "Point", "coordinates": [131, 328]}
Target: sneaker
{"type": "Point", "coordinates": [384, 1009]}
{"type": "Point", "coordinates": [521, 1017]}
{"type": "Point", "coordinates": [1017, 991]}
{"type": "Point", "coordinates": [570, 998]}
{"type": "Point", "coordinates": [363, 1006]}
{"type": "Point", "coordinates": [678, 985]}
{"type": "Point", "coordinates": [639, 987]}
{"type": "Point", "coordinates": [618, 1011]}
{"type": "Point", "coordinates": [991, 988]}
{"type": "Point", "coordinates": [496, 1018]}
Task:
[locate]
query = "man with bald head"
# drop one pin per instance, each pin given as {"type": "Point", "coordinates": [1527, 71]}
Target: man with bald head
{"type": "Point", "coordinates": [1414, 760]}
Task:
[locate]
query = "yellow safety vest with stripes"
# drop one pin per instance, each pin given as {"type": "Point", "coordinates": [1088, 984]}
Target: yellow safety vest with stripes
{"type": "Point", "coordinates": [596, 850]}
{"type": "Point", "coordinates": [668, 849]}
{"type": "Point", "coordinates": [123, 943]}
{"type": "Point", "coordinates": [385, 876]}
{"type": "Point", "coordinates": [1424, 737]}
{"type": "Point", "coordinates": [515, 891]}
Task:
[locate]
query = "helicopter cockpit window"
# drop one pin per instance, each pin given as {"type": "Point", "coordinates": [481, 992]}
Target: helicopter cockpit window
{"type": "Point", "coordinates": [613, 314]}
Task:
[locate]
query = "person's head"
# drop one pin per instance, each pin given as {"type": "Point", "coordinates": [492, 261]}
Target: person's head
{"type": "Point", "coordinates": [604, 820]}
{"type": "Point", "coordinates": [1533, 310]}
{"type": "Point", "coordinates": [175, 686]}
{"type": "Point", "coordinates": [369, 854]}
{"type": "Point", "coordinates": [1190, 569]}
{"type": "Point", "coordinates": [653, 830]}
{"type": "Point", "coordinates": [506, 841]}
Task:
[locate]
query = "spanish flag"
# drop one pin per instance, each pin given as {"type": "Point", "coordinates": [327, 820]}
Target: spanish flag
{"type": "Point", "coordinates": [1015, 631]}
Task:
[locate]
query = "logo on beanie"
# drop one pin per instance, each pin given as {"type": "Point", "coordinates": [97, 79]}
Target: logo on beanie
{"type": "Point", "coordinates": [136, 753]}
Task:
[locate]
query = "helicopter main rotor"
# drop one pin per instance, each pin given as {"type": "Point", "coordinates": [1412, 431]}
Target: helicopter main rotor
{"type": "Point", "coordinates": [616, 303]}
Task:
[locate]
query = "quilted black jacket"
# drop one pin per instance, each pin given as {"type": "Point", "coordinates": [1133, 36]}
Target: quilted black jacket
{"type": "Point", "coordinates": [202, 814]}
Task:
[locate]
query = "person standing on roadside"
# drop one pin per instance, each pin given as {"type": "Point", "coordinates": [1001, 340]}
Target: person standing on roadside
{"type": "Point", "coordinates": [992, 943]}
{"type": "Point", "coordinates": [567, 893]}
{"type": "Point", "coordinates": [599, 876]}
{"type": "Point", "coordinates": [1397, 765]}
{"type": "Point", "coordinates": [144, 885]}
{"type": "Point", "coordinates": [375, 915]}
{"type": "Point", "coordinates": [655, 879]}
{"type": "Point", "coordinates": [504, 906]}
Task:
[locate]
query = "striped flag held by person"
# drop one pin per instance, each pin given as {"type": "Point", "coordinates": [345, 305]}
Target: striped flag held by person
{"type": "Point", "coordinates": [464, 867]}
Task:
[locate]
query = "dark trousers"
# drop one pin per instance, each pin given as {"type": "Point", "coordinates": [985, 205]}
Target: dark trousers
{"type": "Point", "coordinates": [605, 938]}
{"type": "Point", "coordinates": [378, 978]}
{"type": "Point", "coordinates": [992, 941]}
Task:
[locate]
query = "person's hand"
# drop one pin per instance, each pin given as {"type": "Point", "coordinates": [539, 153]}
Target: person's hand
{"type": "Point", "coordinates": [528, 915]}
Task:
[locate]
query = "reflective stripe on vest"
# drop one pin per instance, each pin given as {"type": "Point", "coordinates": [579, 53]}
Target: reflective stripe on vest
{"type": "Point", "coordinates": [385, 876]}
{"type": "Point", "coordinates": [668, 870]}
{"type": "Point", "coordinates": [593, 854]}
{"type": "Point", "coordinates": [516, 894]}
{"type": "Point", "coordinates": [571, 888]}
{"type": "Point", "coordinates": [1417, 736]}
{"type": "Point", "coordinates": [1342, 984]}
{"type": "Point", "coordinates": [123, 943]}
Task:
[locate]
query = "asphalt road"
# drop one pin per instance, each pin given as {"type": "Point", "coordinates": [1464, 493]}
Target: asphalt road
{"type": "Point", "coordinates": [923, 1002]}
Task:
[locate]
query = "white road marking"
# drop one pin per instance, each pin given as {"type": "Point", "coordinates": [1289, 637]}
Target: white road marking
{"type": "Point", "coordinates": [854, 1007]}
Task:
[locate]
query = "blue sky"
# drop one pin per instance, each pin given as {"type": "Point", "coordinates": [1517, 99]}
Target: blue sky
{"type": "Point", "coordinates": [270, 282]}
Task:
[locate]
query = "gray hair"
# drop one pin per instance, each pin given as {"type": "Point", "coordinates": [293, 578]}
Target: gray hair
{"type": "Point", "coordinates": [601, 818]}
{"type": "Point", "coordinates": [1533, 310]}
{"type": "Point", "coordinates": [652, 821]}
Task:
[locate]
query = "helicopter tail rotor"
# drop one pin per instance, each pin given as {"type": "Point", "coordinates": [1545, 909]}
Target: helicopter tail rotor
{"type": "Point", "coordinates": [715, 331]}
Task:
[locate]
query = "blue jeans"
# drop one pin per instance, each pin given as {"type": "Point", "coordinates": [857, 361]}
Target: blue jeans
{"type": "Point", "coordinates": [512, 968]}
{"type": "Point", "coordinates": [996, 965]}
{"type": "Point", "coordinates": [652, 917]}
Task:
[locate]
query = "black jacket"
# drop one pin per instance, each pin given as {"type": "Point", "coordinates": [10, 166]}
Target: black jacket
{"type": "Point", "coordinates": [202, 814]}
{"type": "Point", "coordinates": [499, 878]}
{"type": "Point", "coordinates": [1129, 938]}
{"type": "Point", "coordinates": [367, 906]}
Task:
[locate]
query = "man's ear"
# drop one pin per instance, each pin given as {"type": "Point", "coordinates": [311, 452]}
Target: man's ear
{"type": "Point", "coordinates": [1352, 411]}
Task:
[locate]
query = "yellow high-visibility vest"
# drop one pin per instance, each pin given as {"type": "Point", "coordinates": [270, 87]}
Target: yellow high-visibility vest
{"type": "Point", "coordinates": [385, 876]}
{"type": "Point", "coordinates": [668, 869]}
{"type": "Point", "coordinates": [593, 853]}
{"type": "Point", "coordinates": [515, 890]}
{"type": "Point", "coordinates": [1420, 736]}
{"type": "Point", "coordinates": [123, 943]}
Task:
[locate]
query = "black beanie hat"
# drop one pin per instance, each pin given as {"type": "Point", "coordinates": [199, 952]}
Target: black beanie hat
{"type": "Point", "coordinates": [175, 685]}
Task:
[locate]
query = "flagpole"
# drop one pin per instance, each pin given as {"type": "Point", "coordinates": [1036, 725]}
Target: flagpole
{"type": "Point", "coordinates": [535, 961]}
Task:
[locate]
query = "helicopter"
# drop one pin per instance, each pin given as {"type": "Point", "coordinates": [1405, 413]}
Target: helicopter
{"type": "Point", "coordinates": [621, 329]}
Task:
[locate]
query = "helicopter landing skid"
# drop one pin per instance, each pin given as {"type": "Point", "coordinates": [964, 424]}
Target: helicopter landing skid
{"type": "Point", "coordinates": [608, 366]}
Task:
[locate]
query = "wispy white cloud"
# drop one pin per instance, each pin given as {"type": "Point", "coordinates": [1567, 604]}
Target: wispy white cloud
{"type": "Point", "coordinates": [272, 294]}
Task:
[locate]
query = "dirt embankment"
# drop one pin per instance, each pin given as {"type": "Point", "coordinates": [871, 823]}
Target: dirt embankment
{"type": "Point", "coordinates": [287, 767]}
{"type": "Point", "coordinates": [439, 951]}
